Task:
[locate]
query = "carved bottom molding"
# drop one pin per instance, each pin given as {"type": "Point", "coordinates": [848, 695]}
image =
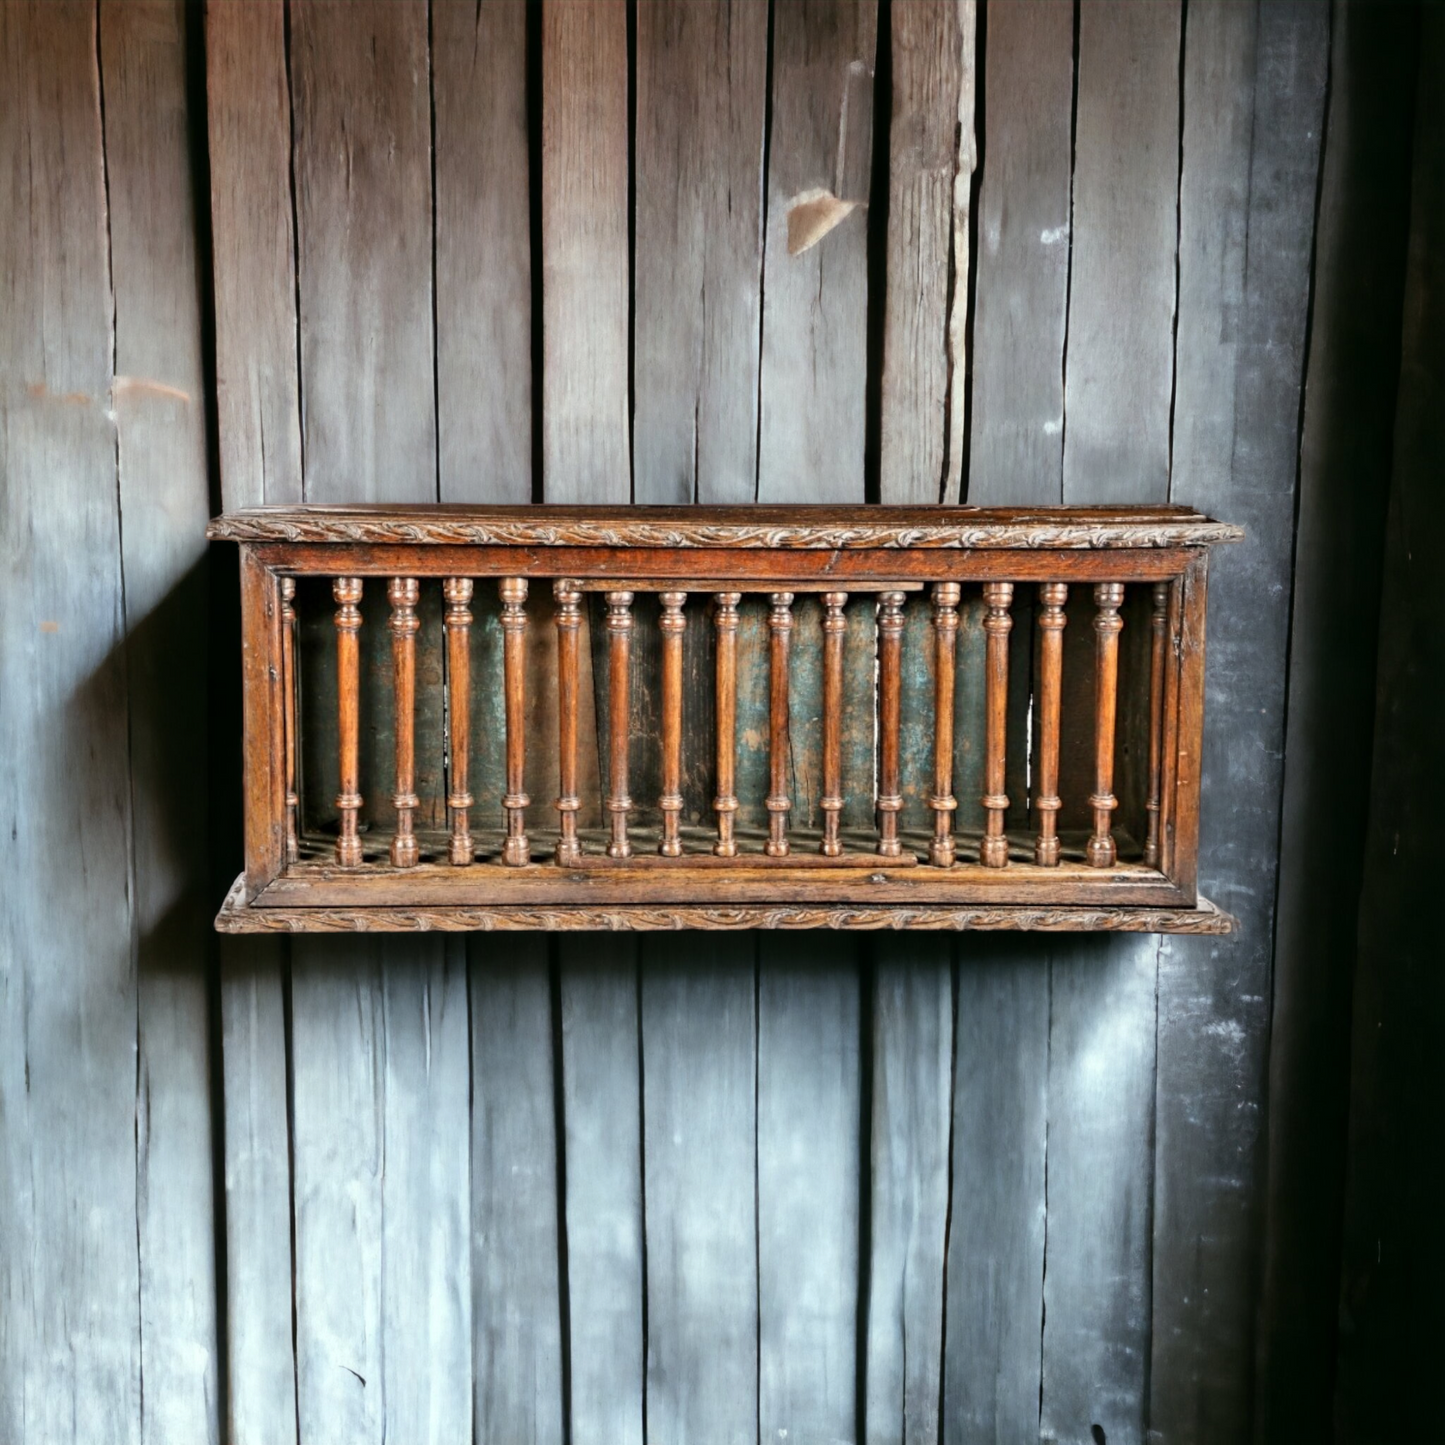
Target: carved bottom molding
{"type": "Point", "coordinates": [238, 916]}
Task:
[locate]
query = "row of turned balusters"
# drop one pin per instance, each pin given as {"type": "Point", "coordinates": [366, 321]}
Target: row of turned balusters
{"type": "Point", "coordinates": [402, 593]}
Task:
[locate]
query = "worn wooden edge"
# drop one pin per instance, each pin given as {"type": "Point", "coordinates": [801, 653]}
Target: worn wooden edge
{"type": "Point", "coordinates": [238, 916]}
{"type": "Point", "coordinates": [778, 528]}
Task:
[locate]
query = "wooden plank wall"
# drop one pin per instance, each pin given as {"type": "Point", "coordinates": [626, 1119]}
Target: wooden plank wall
{"type": "Point", "coordinates": [904, 1190]}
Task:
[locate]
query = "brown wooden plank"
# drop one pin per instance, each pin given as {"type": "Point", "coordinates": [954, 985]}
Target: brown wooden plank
{"type": "Point", "coordinates": [158, 398]}
{"type": "Point", "coordinates": [1116, 448]}
{"type": "Point", "coordinates": [70, 1364]}
{"type": "Point", "coordinates": [1253, 107]}
{"type": "Point", "coordinates": [364, 1068]}
{"type": "Point", "coordinates": [259, 441]}
{"type": "Point", "coordinates": [1345, 446]}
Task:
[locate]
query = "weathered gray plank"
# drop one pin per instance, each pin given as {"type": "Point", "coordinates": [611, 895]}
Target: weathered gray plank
{"type": "Point", "coordinates": [158, 400]}
{"type": "Point", "coordinates": [376, 1027]}
{"type": "Point", "coordinates": [699, 1072]}
{"type": "Point", "coordinates": [815, 303]}
{"type": "Point", "coordinates": [1116, 448]}
{"type": "Point", "coordinates": [586, 443]}
{"type": "Point", "coordinates": [1021, 294]}
{"type": "Point", "coordinates": [1254, 113]}
{"type": "Point", "coordinates": [808, 1161]}
{"type": "Point", "coordinates": [1392, 1265]}
{"type": "Point", "coordinates": [483, 251]}
{"type": "Point", "coordinates": [259, 442]}
{"type": "Point", "coordinates": [930, 163]}
{"type": "Point", "coordinates": [70, 1365]}
{"type": "Point", "coordinates": [515, 1286]}
{"type": "Point", "coordinates": [701, 97]}
{"type": "Point", "coordinates": [1345, 447]}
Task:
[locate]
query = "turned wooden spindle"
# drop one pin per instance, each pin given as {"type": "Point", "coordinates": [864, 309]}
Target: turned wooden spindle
{"type": "Point", "coordinates": [993, 851]}
{"type": "Point", "coordinates": [835, 625]}
{"type": "Point", "coordinates": [779, 804]}
{"type": "Point", "coordinates": [347, 592]}
{"type": "Point", "coordinates": [569, 626]}
{"type": "Point", "coordinates": [402, 592]}
{"type": "Point", "coordinates": [1108, 598]}
{"type": "Point", "coordinates": [1052, 596]}
{"type": "Point", "coordinates": [725, 622]}
{"type": "Point", "coordinates": [890, 692]}
{"type": "Point", "coordinates": [619, 652]}
{"type": "Point", "coordinates": [458, 624]}
{"type": "Point", "coordinates": [946, 597]}
{"type": "Point", "coordinates": [288, 703]}
{"type": "Point", "coordinates": [673, 624]}
{"type": "Point", "coordinates": [516, 851]}
{"type": "Point", "coordinates": [1160, 627]}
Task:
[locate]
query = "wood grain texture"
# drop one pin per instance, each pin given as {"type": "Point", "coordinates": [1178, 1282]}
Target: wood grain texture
{"type": "Point", "coordinates": [698, 153]}
{"type": "Point", "coordinates": [515, 1244]}
{"type": "Point", "coordinates": [1021, 293]}
{"type": "Point", "coordinates": [259, 442]}
{"type": "Point", "coordinates": [1096, 1336]}
{"type": "Point", "coordinates": [1345, 446]}
{"type": "Point", "coordinates": [70, 1344]}
{"type": "Point", "coordinates": [1392, 1264]}
{"type": "Point", "coordinates": [483, 251]}
{"type": "Point", "coordinates": [366, 1070]}
{"type": "Point", "coordinates": [933, 90]}
{"type": "Point", "coordinates": [699, 1059]}
{"type": "Point", "coordinates": [158, 401]}
{"type": "Point", "coordinates": [586, 440]}
{"type": "Point", "coordinates": [1244, 268]}
{"type": "Point", "coordinates": [814, 360]}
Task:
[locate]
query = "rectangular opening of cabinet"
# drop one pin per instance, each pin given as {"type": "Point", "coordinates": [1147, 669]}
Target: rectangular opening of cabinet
{"type": "Point", "coordinates": [583, 718]}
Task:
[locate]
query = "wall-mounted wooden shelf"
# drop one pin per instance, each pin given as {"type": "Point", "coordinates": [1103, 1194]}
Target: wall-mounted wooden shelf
{"type": "Point", "coordinates": [765, 717]}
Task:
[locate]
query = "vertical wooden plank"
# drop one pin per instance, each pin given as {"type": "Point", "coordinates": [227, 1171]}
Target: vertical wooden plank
{"type": "Point", "coordinates": [69, 1271]}
{"type": "Point", "coordinates": [483, 251]}
{"type": "Point", "coordinates": [380, 1057]}
{"type": "Point", "coordinates": [1392, 1264]}
{"type": "Point", "coordinates": [1247, 207]}
{"type": "Point", "coordinates": [814, 359]}
{"type": "Point", "coordinates": [158, 399]}
{"type": "Point", "coordinates": [586, 458]}
{"type": "Point", "coordinates": [701, 97]}
{"type": "Point", "coordinates": [1345, 449]}
{"type": "Point", "coordinates": [259, 420]}
{"type": "Point", "coordinates": [1116, 448]}
{"type": "Point", "coordinates": [931, 123]}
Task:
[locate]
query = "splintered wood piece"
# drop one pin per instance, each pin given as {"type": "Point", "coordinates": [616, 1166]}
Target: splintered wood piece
{"type": "Point", "coordinates": [673, 624]}
{"type": "Point", "coordinates": [516, 851]}
{"type": "Point", "coordinates": [288, 703]}
{"type": "Point", "coordinates": [347, 592]}
{"type": "Point", "coordinates": [946, 595]}
{"type": "Point", "coordinates": [725, 805]}
{"type": "Point", "coordinates": [402, 592]}
{"type": "Point", "coordinates": [569, 625]}
{"type": "Point", "coordinates": [619, 652]}
{"type": "Point", "coordinates": [997, 596]}
{"type": "Point", "coordinates": [1052, 596]}
{"type": "Point", "coordinates": [779, 803]}
{"type": "Point", "coordinates": [835, 625]}
{"type": "Point", "coordinates": [458, 594]}
{"type": "Point", "coordinates": [1108, 598]}
{"type": "Point", "coordinates": [890, 691]}
{"type": "Point", "coordinates": [1159, 622]}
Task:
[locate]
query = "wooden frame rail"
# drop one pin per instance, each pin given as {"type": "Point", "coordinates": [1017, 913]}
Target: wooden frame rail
{"type": "Point", "coordinates": [727, 718]}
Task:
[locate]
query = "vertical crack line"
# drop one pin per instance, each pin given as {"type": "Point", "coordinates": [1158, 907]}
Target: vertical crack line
{"type": "Point", "coordinates": [295, 233]}
{"type": "Point", "coordinates": [533, 88]}
{"type": "Point", "coordinates": [289, 1037]}
{"type": "Point", "coordinates": [1178, 249]}
{"type": "Point", "coordinates": [1069, 281]}
{"type": "Point", "coordinates": [963, 457]}
{"type": "Point", "coordinates": [953, 966]}
{"type": "Point", "coordinates": [436, 384]}
{"type": "Point", "coordinates": [877, 254]}
{"type": "Point", "coordinates": [559, 1109]}
{"type": "Point", "coordinates": [631, 247]}
{"type": "Point", "coordinates": [1044, 1272]}
{"type": "Point", "coordinates": [763, 245]}
{"type": "Point", "coordinates": [642, 1167]}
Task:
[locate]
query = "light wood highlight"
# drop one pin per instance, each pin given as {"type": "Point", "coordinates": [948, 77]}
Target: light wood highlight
{"type": "Point", "coordinates": [288, 693]}
{"type": "Point", "coordinates": [1159, 629]}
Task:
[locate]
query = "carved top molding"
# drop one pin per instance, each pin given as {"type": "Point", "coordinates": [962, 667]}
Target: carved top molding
{"type": "Point", "coordinates": [774, 528]}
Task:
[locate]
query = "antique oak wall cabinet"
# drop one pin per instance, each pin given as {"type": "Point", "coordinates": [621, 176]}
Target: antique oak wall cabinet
{"type": "Point", "coordinates": [644, 718]}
